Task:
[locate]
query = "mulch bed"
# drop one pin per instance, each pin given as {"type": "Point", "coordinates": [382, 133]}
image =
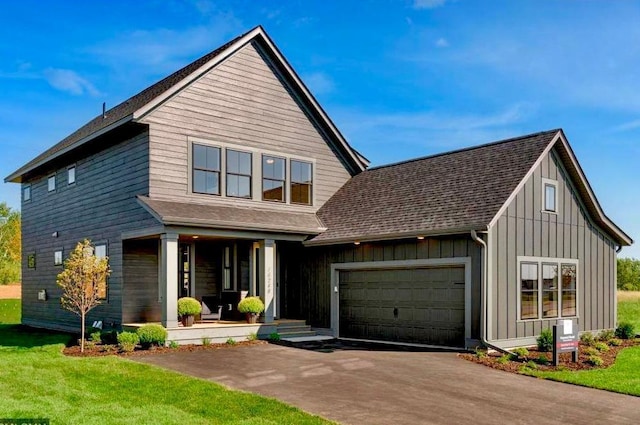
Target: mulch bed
{"type": "Point", "coordinates": [99, 350]}
{"type": "Point", "coordinates": [515, 366]}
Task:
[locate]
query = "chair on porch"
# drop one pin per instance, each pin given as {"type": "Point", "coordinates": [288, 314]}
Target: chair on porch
{"type": "Point", "coordinates": [211, 309]}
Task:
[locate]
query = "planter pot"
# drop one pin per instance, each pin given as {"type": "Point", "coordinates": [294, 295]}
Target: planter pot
{"type": "Point", "coordinates": [187, 321]}
{"type": "Point", "coordinates": [252, 318]}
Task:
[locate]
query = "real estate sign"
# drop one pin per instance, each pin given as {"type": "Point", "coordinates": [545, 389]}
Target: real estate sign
{"type": "Point", "coordinates": [565, 340]}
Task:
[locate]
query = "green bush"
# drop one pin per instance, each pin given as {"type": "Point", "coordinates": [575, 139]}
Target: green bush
{"type": "Point", "coordinates": [253, 336]}
{"type": "Point", "coordinates": [231, 341]}
{"type": "Point", "coordinates": [545, 340]}
{"type": "Point", "coordinates": [96, 337]}
{"type": "Point", "coordinates": [152, 335]}
{"type": "Point", "coordinates": [274, 336]}
{"type": "Point", "coordinates": [625, 331]}
{"type": "Point", "coordinates": [532, 365]}
{"type": "Point", "coordinates": [601, 346]}
{"type": "Point", "coordinates": [615, 342]}
{"type": "Point", "coordinates": [542, 359]}
{"type": "Point", "coordinates": [595, 360]}
{"type": "Point", "coordinates": [188, 306]}
{"type": "Point", "coordinates": [521, 352]}
{"type": "Point", "coordinates": [480, 353]}
{"type": "Point", "coordinates": [251, 305]}
{"type": "Point", "coordinates": [127, 341]}
{"type": "Point", "coordinates": [587, 338]}
{"type": "Point", "coordinates": [590, 351]}
{"type": "Point", "coordinates": [629, 274]}
{"type": "Point", "coordinates": [504, 359]}
{"type": "Point", "coordinates": [174, 344]}
{"type": "Point", "coordinates": [606, 335]}
{"type": "Point", "coordinates": [109, 337]}
{"type": "Point", "coordinates": [206, 341]}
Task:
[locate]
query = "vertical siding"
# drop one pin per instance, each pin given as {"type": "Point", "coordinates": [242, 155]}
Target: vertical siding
{"type": "Point", "coordinates": [524, 230]}
{"type": "Point", "coordinates": [242, 101]}
{"type": "Point", "coordinates": [307, 284]}
{"type": "Point", "coordinates": [99, 206]}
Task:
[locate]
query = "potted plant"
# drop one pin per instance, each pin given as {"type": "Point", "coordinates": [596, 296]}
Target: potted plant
{"type": "Point", "coordinates": [187, 308]}
{"type": "Point", "coordinates": [252, 307]}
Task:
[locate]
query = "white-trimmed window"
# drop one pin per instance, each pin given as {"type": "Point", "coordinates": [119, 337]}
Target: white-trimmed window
{"type": "Point", "coordinates": [71, 174]}
{"type": "Point", "coordinates": [547, 288]}
{"type": "Point", "coordinates": [51, 183]}
{"type": "Point", "coordinates": [550, 195]}
{"type": "Point", "coordinates": [57, 258]}
{"type": "Point", "coordinates": [26, 192]}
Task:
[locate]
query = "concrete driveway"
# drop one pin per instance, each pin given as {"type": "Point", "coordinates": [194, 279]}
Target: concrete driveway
{"type": "Point", "coordinates": [377, 384]}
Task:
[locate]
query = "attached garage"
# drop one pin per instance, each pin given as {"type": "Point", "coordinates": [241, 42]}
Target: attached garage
{"type": "Point", "coordinates": [407, 302]}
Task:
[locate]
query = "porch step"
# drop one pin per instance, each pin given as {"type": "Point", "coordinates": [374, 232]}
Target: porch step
{"type": "Point", "coordinates": [295, 329]}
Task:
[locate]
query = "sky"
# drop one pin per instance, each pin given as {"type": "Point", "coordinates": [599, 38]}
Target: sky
{"type": "Point", "coordinates": [400, 79]}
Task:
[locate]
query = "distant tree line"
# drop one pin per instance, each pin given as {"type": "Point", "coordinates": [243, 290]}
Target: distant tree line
{"type": "Point", "coordinates": [629, 274]}
{"type": "Point", "coordinates": [10, 245]}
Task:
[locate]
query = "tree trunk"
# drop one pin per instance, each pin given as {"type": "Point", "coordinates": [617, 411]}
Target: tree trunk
{"type": "Point", "coordinates": [82, 334]}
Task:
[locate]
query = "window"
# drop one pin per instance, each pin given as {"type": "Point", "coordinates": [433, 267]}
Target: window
{"type": "Point", "coordinates": [301, 182]}
{"type": "Point", "coordinates": [26, 193]}
{"type": "Point", "coordinates": [100, 251]}
{"type": "Point", "coordinates": [227, 283]}
{"type": "Point", "coordinates": [548, 288]}
{"type": "Point", "coordinates": [550, 195]}
{"type": "Point", "coordinates": [71, 174]}
{"type": "Point", "coordinates": [57, 258]}
{"type": "Point", "coordinates": [51, 183]}
{"type": "Point", "coordinates": [31, 261]}
{"type": "Point", "coordinates": [273, 178]}
{"type": "Point", "coordinates": [206, 169]}
{"type": "Point", "coordinates": [238, 174]}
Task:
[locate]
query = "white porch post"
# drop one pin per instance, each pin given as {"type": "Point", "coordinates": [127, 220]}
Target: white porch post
{"type": "Point", "coordinates": [169, 279]}
{"type": "Point", "coordinates": [268, 277]}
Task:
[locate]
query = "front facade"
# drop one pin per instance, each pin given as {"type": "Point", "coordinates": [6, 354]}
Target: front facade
{"type": "Point", "coordinates": [227, 179]}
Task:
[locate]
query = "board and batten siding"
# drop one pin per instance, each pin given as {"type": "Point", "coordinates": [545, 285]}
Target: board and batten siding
{"type": "Point", "coordinates": [524, 230]}
{"type": "Point", "coordinates": [99, 206]}
{"type": "Point", "coordinates": [307, 272]}
{"type": "Point", "coordinates": [243, 101]}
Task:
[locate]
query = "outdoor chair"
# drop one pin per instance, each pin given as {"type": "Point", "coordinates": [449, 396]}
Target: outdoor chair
{"type": "Point", "coordinates": [211, 309]}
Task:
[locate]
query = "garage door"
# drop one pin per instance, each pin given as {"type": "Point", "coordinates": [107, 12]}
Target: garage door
{"type": "Point", "coordinates": [420, 305]}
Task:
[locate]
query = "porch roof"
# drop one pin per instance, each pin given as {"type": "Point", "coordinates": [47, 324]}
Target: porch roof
{"type": "Point", "coordinates": [173, 213]}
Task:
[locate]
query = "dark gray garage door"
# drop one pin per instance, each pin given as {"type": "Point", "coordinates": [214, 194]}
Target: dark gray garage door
{"type": "Point", "coordinates": [420, 305]}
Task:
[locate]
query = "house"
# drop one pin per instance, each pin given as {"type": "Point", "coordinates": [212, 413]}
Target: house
{"type": "Point", "coordinates": [227, 178]}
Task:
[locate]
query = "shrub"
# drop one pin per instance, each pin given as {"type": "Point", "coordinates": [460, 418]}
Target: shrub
{"type": "Point", "coordinates": [251, 305]}
{"type": "Point", "coordinates": [542, 359]}
{"type": "Point", "coordinates": [506, 358]}
{"type": "Point", "coordinates": [545, 340]}
{"type": "Point", "coordinates": [151, 335]}
{"type": "Point", "coordinates": [174, 344]}
{"type": "Point", "coordinates": [615, 342]}
{"type": "Point", "coordinates": [188, 306]}
{"type": "Point", "coordinates": [531, 364]}
{"type": "Point", "coordinates": [127, 341]}
{"type": "Point", "coordinates": [590, 351]}
{"type": "Point", "coordinates": [275, 336]}
{"type": "Point", "coordinates": [253, 336]}
{"type": "Point", "coordinates": [606, 335]}
{"type": "Point", "coordinates": [480, 353]}
{"type": "Point", "coordinates": [109, 337]}
{"type": "Point", "coordinates": [595, 360]}
{"type": "Point", "coordinates": [521, 352]}
{"type": "Point", "coordinates": [90, 331]}
{"type": "Point", "coordinates": [625, 331]}
{"type": "Point", "coordinates": [96, 337]}
{"type": "Point", "coordinates": [601, 346]}
{"type": "Point", "coordinates": [587, 338]}
{"type": "Point", "coordinates": [206, 341]}
{"type": "Point", "coordinates": [231, 341]}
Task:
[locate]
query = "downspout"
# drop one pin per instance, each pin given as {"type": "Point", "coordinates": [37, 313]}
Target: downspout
{"type": "Point", "coordinates": [618, 249]}
{"type": "Point", "coordinates": [484, 299]}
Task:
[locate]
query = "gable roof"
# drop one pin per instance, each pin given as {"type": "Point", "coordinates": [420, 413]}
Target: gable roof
{"type": "Point", "coordinates": [447, 193]}
{"type": "Point", "coordinates": [148, 99]}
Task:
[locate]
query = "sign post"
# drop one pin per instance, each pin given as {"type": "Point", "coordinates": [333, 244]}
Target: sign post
{"type": "Point", "coordinates": [565, 340]}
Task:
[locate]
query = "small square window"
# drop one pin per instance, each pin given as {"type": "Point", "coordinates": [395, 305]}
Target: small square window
{"type": "Point", "coordinates": [31, 261]}
{"type": "Point", "coordinates": [71, 174]}
{"type": "Point", "coordinates": [57, 258]}
{"type": "Point", "coordinates": [26, 193]}
{"type": "Point", "coordinates": [51, 183]}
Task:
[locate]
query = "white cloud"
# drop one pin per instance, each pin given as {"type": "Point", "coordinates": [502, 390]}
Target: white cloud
{"type": "Point", "coordinates": [428, 4]}
{"type": "Point", "coordinates": [69, 81]}
{"type": "Point", "coordinates": [319, 83]}
{"type": "Point", "coordinates": [442, 42]}
{"type": "Point", "coordinates": [631, 125]}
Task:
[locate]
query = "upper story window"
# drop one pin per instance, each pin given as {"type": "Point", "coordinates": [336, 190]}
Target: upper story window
{"type": "Point", "coordinates": [550, 195]}
{"type": "Point", "coordinates": [71, 174]}
{"type": "Point", "coordinates": [273, 178]}
{"type": "Point", "coordinates": [26, 192]}
{"type": "Point", "coordinates": [238, 174]}
{"type": "Point", "coordinates": [51, 183]}
{"type": "Point", "coordinates": [301, 182]}
{"type": "Point", "coordinates": [206, 169]}
{"type": "Point", "coordinates": [548, 288]}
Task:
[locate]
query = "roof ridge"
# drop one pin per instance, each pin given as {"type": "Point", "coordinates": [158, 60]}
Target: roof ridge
{"type": "Point", "coordinates": [468, 148]}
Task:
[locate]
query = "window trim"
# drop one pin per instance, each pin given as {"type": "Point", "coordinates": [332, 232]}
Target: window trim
{"type": "Point", "coordinates": [55, 183]}
{"type": "Point", "coordinates": [228, 173]}
{"type": "Point", "coordinates": [284, 179]}
{"type": "Point", "coordinates": [549, 183]}
{"type": "Point", "coordinates": [29, 187]}
{"type": "Point", "coordinates": [194, 169]}
{"type": "Point", "coordinates": [55, 257]}
{"type": "Point", "coordinates": [75, 170]}
{"type": "Point", "coordinates": [540, 261]}
{"type": "Point", "coordinates": [311, 191]}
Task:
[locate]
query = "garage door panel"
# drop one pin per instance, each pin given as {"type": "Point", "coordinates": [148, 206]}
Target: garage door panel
{"type": "Point", "coordinates": [428, 302]}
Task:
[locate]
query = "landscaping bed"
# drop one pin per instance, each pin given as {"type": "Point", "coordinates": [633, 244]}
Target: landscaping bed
{"type": "Point", "coordinates": [99, 350]}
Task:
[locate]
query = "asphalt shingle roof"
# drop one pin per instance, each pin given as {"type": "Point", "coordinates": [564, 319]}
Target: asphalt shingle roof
{"type": "Point", "coordinates": [452, 191]}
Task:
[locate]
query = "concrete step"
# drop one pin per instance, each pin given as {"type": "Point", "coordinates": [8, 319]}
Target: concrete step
{"type": "Point", "coordinates": [292, 323]}
{"type": "Point", "coordinates": [287, 335]}
{"type": "Point", "coordinates": [303, 328]}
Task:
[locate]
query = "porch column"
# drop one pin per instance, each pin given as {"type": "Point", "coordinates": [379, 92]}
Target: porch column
{"type": "Point", "coordinates": [268, 277]}
{"type": "Point", "coordinates": [169, 279]}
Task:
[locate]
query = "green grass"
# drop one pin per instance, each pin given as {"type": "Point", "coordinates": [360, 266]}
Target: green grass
{"type": "Point", "coordinates": [36, 380]}
{"type": "Point", "coordinates": [9, 311]}
{"type": "Point", "coordinates": [629, 308]}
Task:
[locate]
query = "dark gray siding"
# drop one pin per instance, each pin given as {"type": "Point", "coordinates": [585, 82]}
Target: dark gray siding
{"type": "Point", "coordinates": [207, 269]}
{"type": "Point", "coordinates": [99, 206]}
{"type": "Point", "coordinates": [306, 273]}
{"type": "Point", "coordinates": [140, 301]}
{"type": "Point", "coordinates": [524, 230]}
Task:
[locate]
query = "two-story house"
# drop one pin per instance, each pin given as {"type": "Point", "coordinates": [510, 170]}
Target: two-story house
{"type": "Point", "coordinates": [227, 178]}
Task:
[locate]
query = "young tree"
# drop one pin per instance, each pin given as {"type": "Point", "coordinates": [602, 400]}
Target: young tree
{"type": "Point", "coordinates": [628, 274]}
{"type": "Point", "coordinates": [10, 244]}
{"type": "Point", "coordinates": [82, 281]}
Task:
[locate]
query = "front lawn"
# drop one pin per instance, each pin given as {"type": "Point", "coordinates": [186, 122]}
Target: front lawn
{"type": "Point", "coordinates": [10, 311]}
{"type": "Point", "coordinates": [37, 381]}
{"type": "Point", "coordinates": [629, 308]}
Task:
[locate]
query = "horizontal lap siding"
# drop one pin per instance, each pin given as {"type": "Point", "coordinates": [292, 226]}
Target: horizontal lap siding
{"type": "Point", "coordinates": [241, 101]}
{"type": "Point", "coordinates": [140, 302]}
{"type": "Point", "coordinates": [524, 230]}
{"type": "Point", "coordinates": [99, 206]}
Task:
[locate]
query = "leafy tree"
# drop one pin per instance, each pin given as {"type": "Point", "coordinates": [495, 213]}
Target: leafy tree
{"type": "Point", "coordinates": [82, 281]}
{"type": "Point", "coordinates": [10, 244]}
{"type": "Point", "coordinates": [629, 274]}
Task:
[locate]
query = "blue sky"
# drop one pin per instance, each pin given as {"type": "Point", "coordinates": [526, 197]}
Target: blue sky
{"type": "Point", "coordinates": [400, 78]}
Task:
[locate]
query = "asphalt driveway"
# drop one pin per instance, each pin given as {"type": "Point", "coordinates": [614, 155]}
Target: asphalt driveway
{"type": "Point", "coordinates": [376, 384]}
